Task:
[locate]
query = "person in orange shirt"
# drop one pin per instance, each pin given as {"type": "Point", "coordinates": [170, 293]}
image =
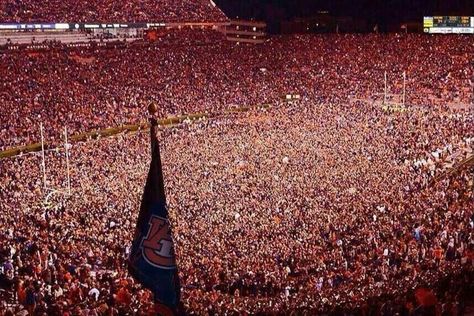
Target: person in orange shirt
{"type": "Point", "coordinates": [68, 277]}
{"type": "Point", "coordinates": [21, 293]}
{"type": "Point", "coordinates": [123, 296]}
{"type": "Point", "coordinates": [123, 282]}
{"type": "Point", "coordinates": [438, 254]}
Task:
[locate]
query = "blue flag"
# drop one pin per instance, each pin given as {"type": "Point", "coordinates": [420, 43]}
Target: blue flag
{"type": "Point", "coordinates": [152, 259]}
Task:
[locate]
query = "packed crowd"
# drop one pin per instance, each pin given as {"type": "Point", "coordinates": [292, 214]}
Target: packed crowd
{"type": "Point", "coordinates": [325, 205]}
{"type": "Point", "coordinates": [109, 11]}
{"type": "Point", "coordinates": [193, 70]}
{"type": "Point", "coordinates": [298, 208]}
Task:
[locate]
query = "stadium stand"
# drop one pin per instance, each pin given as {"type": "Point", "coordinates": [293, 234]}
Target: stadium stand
{"type": "Point", "coordinates": [323, 205]}
{"type": "Point", "coordinates": [109, 11]}
{"type": "Point", "coordinates": [101, 87]}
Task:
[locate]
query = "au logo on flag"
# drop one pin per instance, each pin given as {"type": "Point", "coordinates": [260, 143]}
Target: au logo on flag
{"type": "Point", "coordinates": [157, 245]}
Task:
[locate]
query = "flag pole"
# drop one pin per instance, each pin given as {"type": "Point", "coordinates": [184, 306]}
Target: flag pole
{"type": "Point", "coordinates": [43, 164]}
{"type": "Point", "coordinates": [152, 260]}
{"type": "Point", "coordinates": [66, 146]}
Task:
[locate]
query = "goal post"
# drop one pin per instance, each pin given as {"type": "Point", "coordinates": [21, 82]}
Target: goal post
{"type": "Point", "coordinates": [50, 190]}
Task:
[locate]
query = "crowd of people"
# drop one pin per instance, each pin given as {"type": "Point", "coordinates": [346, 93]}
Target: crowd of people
{"type": "Point", "coordinates": [305, 208]}
{"type": "Point", "coordinates": [324, 205]}
{"type": "Point", "coordinates": [197, 71]}
{"type": "Point", "coordinates": [109, 11]}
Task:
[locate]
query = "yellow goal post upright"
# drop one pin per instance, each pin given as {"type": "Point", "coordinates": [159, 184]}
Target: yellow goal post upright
{"type": "Point", "coordinates": [49, 191]}
{"type": "Point", "coordinates": [394, 102]}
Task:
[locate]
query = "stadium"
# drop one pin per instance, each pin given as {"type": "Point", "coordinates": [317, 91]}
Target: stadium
{"type": "Point", "coordinates": [163, 157]}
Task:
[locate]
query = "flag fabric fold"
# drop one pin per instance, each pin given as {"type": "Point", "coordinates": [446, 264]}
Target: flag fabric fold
{"type": "Point", "coordinates": [152, 259]}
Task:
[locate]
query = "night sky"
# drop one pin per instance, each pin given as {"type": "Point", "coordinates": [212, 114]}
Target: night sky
{"type": "Point", "coordinates": [376, 11]}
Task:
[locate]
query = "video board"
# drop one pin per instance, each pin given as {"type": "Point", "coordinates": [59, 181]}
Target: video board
{"type": "Point", "coordinates": [448, 24]}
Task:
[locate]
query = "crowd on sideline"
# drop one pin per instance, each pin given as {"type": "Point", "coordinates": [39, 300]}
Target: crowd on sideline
{"type": "Point", "coordinates": [305, 208]}
{"type": "Point", "coordinates": [109, 11]}
{"type": "Point", "coordinates": [194, 71]}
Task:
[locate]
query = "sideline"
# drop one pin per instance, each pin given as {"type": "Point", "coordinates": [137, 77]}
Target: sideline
{"type": "Point", "coordinates": [95, 134]}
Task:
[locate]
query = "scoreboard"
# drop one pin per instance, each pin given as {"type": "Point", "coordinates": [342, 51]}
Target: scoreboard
{"type": "Point", "coordinates": [448, 24]}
